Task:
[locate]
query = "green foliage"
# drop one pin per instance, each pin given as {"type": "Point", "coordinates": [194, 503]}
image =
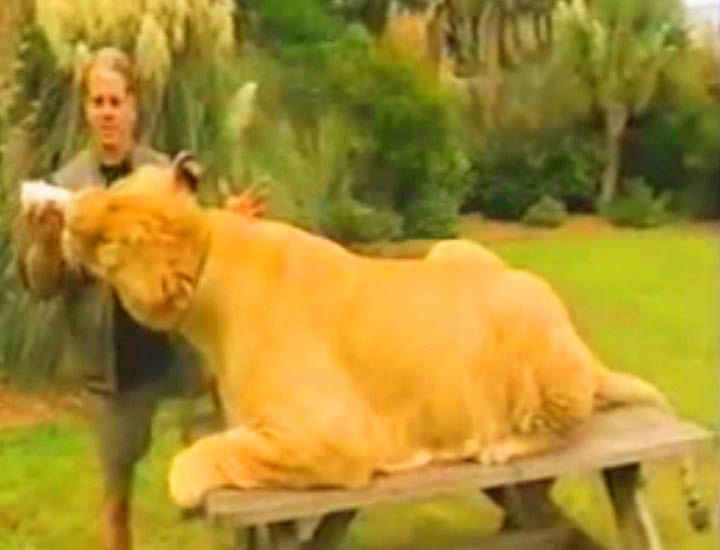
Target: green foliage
{"type": "Point", "coordinates": [349, 221]}
{"type": "Point", "coordinates": [38, 120]}
{"type": "Point", "coordinates": [546, 212]}
{"type": "Point", "coordinates": [638, 207]}
{"type": "Point", "coordinates": [700, 194]}
{"type": "Point", "coordinates": [41, 111]}
{"type": "Point", "coordinates": [416, 161]}
{"type": "Point", "coordinates": [284, 24]}
{"type": "Point", "coordinates": [433, 215]}
{"type": "Point", "coordinates": [542, 96]}
{"type": "Point", "coordinates": [157, 32]}
{"type": "Point", "coordinates": [677, 148]}
{"type": "Point", "coordinates": [653, 149]}
{"type": "Point", "coordinates": [620, 52]}
{"type": "Point", "coordinates": [399, 147]}
{"type": "Point", "coordinates": [619, 48]}
{"type": "Point", "coordinates": [701, 160]}
{"type": "Point", "coordinates": [515, 171]}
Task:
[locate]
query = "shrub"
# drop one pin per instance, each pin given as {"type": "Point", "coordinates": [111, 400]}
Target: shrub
{"type": "Point", "coordinates": [298, 22]}
{"type": "Point", "coordinates": [700, 195]}
{"type": "Point", "coordinates": [677, 148]}
{"type": "Point", "coordinates": [638, 207]}
{"type": "Point", "coordinates": [416, 161]}
{"type": "Point", "coordinates": [514, 171]}
{"type": "Point", "coordinates": [395, 144]}
{"type": "Point", "coordinates": [546, 212]}
{"type": "Point", "coordinates": [350, 221]}
{"type": "Point", "coordinates": [434, 215]}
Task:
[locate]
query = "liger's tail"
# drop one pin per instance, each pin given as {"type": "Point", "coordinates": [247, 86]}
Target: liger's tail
{"type": "Point", "coordinates": [618, 388]}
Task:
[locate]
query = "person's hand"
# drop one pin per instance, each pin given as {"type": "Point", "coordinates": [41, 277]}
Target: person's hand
{"type": "Point", "coordinates": [45, 222]}
{"type": "Point", "coordinates": [246, 203]}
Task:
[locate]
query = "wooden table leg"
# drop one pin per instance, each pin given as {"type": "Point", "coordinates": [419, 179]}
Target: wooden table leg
{"type": "Point", "coordinates": [528, 507]}
{"type": "Point", "coordinates": [635, 522]}
{"type": "Point", "coordinates": [525, 506]}
{"type": "Point", "coordinates": [246, 538]}
{"type": "Point", "coordinates": [283, 536]}
{"type": "Point", "coordinates": [331, 531]}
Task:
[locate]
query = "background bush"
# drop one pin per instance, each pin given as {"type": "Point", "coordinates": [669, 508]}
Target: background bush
{"type": "Point", "coordinates": [546, 212]}
{"type": "Point", "coordinates": [514, 172]}
{"type": "Point", "coordinates": [678, 150]}
{"type": "Point", "coordinates": [638, 206]}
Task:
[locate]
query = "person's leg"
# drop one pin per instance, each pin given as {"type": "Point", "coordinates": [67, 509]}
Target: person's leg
{"type": "Point", "coordinates": [199, 403]}
{"type": "Point", "coordinates": [124, 423]}
{"type": "Point", "coordinates": [200, 415]}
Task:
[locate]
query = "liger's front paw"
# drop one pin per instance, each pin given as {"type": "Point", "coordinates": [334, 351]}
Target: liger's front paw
{"type": "Point", "coordinates": [189, 480]}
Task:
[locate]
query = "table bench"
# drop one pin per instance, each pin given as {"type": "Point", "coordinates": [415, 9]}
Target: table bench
{"type": "Point", "coordinates": [614, 443]}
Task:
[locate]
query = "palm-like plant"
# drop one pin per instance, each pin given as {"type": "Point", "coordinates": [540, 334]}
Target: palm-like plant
{"type": "Point", "coordinates": [619, 51]}
{"type": "Point", "coordinates": [492, 36]}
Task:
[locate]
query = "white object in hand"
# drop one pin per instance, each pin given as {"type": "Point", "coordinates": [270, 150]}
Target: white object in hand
{"type": "Point", "coordinates": [40, 192]}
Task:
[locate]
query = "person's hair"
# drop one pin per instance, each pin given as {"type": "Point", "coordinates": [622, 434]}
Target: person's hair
{"type": "Point", "coordinates": [115, 60]}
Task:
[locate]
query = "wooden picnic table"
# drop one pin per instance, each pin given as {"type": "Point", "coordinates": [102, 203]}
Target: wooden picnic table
{"type": "Point", "coordinates": [613, 443]}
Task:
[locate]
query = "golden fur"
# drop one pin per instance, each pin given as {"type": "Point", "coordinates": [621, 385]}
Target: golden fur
{"type": "Point", "coordinates": [331, 366]}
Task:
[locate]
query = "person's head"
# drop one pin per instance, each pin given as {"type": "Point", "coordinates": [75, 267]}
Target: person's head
{"type": "Point", "coordinates": [111, 102]}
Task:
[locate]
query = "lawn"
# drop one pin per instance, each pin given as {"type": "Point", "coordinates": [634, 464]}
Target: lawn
{"type": "Point", "coordinates": [646, 301]}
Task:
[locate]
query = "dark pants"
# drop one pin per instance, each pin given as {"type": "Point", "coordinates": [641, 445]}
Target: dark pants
{"type": "Point", "coordinates": [123, 424]}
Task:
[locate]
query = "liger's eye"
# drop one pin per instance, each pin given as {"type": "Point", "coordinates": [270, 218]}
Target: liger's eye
{"type": "Point", "coordinates": [101, 238]}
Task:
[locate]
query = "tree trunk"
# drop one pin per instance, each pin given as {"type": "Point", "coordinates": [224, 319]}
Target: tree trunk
{"type": "Point", "coordinates": [501, 37]}
{"type": "Point", "coordinates": [515, 43]}
{"type": "Point", "coordinates": [492, 71]}
{"type": "Point", "coordinates": [537, 31]}
{"type": "Point", "coordinates": [486, 41]}
{"type": "Point", "coordinates": [472, 55]}
{"type": "Point", "coordinates": [616, 117]}
{"type": "Point", "coordinates": [374, 14]}
{"type": "Point", "coordinates": [549, 29]}
{"type": "Point", "coordinates": [436, 28]}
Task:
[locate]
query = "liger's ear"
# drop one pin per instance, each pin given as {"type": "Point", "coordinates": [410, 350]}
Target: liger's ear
{"type": "Point", "coordinates": [188, 171]}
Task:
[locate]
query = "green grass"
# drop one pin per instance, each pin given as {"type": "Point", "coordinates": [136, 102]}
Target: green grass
{"type": "Point", "coordinates": [646, 301]}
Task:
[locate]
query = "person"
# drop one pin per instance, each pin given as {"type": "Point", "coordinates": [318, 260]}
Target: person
{"type": "Point", "coordinates": [127, 368]}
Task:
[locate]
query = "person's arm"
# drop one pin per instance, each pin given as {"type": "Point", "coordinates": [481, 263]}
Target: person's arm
{"type": "Point", "coordinates": [250, 202]}
{"type": "Point", "coordinates": [246, 204]}
{"type": "Point", "coordinates": [37, 234]}
{"type": "Point", "coordinates": [39, 252]}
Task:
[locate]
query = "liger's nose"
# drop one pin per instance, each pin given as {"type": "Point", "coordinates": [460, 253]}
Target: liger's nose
{"type": "Point", "coordinates": [85, 204]}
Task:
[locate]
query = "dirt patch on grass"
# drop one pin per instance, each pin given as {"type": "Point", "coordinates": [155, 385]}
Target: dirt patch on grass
{"type": "Point", "coordinates": [21, 409]}
{"type": "Point", "coordinates": [475, 227]}
{"type": "Point", "coordinates": [489, 231]}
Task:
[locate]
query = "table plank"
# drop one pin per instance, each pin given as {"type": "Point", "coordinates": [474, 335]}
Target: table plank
{"type": "Point", "coordinates": [621, 436]}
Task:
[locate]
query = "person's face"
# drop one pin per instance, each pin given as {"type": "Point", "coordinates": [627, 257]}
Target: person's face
{"type": "Point", "coordinates": [110, 109]}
